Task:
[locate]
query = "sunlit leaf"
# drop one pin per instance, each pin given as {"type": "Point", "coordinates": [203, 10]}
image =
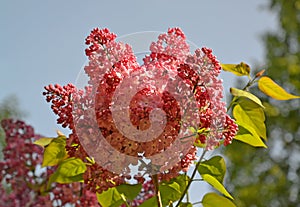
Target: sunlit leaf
{"type": "Point", "coordinates": [215, 200]}
{"type": "Point", "coordinates": [43, 142]}
{"type": "Point", "coordinates": [215, 166]}
{"type": "Point", "coordinates": [116, 196]}
{"type": "Point", "coordinates": [272, 89]}
{"type": "Point", "coordinates": [71, 167]}
{"type": "Point", "coordinates": [110, 198]}
{"type": "Point", "coordinates": [237, 69]}
{"type": "Point", "coordinates": [172, 190]}
{"type": "Point", "coordinates": [248, 113]}
{"type": "Point", "coordinates": [216, 184]}
{"type": "Point", "coordinates": [249, 136]}
{"type": "Point", "coordinates": [54, 152]}
{"type": "Point", "coordinates": [238, 92]}
{"type": "Point", "coordinates": [70, 170]}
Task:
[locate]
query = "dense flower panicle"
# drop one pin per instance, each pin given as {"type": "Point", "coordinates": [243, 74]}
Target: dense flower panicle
{"type": "Point", "coordinates": [61, 100]}
{"type": "Point", "coordinates": [177, 31]}
{"type": "Point", "coordinates": [99, 179]}
{"type": "Point", "coordinates": [20, 154]}
{"type": "Point", "coordinates": [97, 38]}
{"type": "Point", "coordinates": [114, 55]}
{"type": "Point", "coordinates": [188, 159]}
{"type": "Point", "coordinates": [169, 47]}
{"type": "Point", "coordinates": [73, 194]}
{"type": "Point", "coordinates": [203, 69]}
{"type": "Point", "coordinates": [230, 130]}
{"type": "Point", "coordinates": [110, 64]}
{"type": "Point", "coordinates": [140, 113]}
{"type": "Point", "coordinates": [19, 171]}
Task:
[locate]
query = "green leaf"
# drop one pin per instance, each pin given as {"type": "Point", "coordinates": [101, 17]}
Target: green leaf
{"type": "Point", "coordinates": [215, 167]}
{"type": "Point", "coordinates": [249, 136]}
{"type": "Point", "coordinates": [151, 202]}
{"type": "Point", "coordinates": [110, 198]}
{"type": "Point", "coordinates": [116, 196]}
{"type": "Point", "coordinates": [237, 69]}
{"type": "Point", "coordinates": [70, 170]}
{"type": "Point", "coordinates": [130, 191]}
{"type": "Point", "coordinates": [169, 192]}
{"type": "Point", "coordinates": [238, 92]}
{"type": "Point", "coordinates": [215, 200]}
{"type": "Point", "coordinates": [43, 142]}
{"type": "Point", "coordinates": [54, 152]}
{"type": "Point", "coordinates": [248, 113]}
{"type": "Point", "coordinates": [216, 184]}
{"type": "Point", "coordinates": [272, 89]}
{"type": "Point", "coordinates": [172, 190]}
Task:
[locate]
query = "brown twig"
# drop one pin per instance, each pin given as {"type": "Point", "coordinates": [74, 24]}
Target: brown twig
{"type": "Point", "coordinates": [157, 192]}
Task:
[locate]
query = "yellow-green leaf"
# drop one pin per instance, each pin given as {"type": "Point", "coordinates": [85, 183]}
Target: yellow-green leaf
{"type": "Point", "coordinates": [116, 196]}
{"type": "Point", "coordinates": [238, 92]}
{"type": "Point", "coordinates": [216, 184]}
{"type": "Point", "coordinates": [248, 113]}
{"type": "Point", "coordinates": [171, 190]}
{"type": "Point", "coordinates": [272, 89]}
{"type": "Point", "coordinates": [54, 152]}
{"type": "Point", "coordinates": [215, 200]}
{"type": "Point", "coordinates": [110, 198]}
{"type": "Point", "coordinates": [70, 170]}
{"type": "Point", "coordinates": [249, 136]}
{"type": "Point", "coordinates": [237, 69]}
{"type": "Point", "coordinates": [43, 142]}
{"type": "Point", "coordinates": [215, 166]}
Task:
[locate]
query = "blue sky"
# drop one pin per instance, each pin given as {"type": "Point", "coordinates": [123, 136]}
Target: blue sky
{"type": "Point", "coordinates": [42, 42]}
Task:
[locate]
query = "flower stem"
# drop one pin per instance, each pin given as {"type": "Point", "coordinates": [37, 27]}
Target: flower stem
{"type": "Point", "coordinates": [125, 200]}
{"type": "Point", "coordinates": [187, 193]}
{"type": "Point", "coordinates": [157, 192]}
{"type": "Point", "coordinates": [192, 178]}
{"type": "Point", "coordinates": [250, 83]}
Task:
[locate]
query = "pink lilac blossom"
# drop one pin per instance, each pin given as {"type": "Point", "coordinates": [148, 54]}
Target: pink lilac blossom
{"type": "Point", "coordinates": [110, 63]}
{"type": "Point", "coordinates": [24, 185]}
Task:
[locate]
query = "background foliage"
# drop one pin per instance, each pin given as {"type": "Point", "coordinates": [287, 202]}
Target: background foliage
{"type": "Point", "coordinates": [270, 177]}
{"type": "Point", "coordinates": [9, 108]}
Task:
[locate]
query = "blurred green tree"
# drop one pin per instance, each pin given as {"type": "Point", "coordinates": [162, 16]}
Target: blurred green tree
{"type": "Point", "coordinates": [271, 177]}
{"type": "Point", "coordinates": [9, 108]}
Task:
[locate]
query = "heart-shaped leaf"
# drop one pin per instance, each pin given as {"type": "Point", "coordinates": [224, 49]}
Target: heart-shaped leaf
{"type": "Point", "coordinates": [215, 166]}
